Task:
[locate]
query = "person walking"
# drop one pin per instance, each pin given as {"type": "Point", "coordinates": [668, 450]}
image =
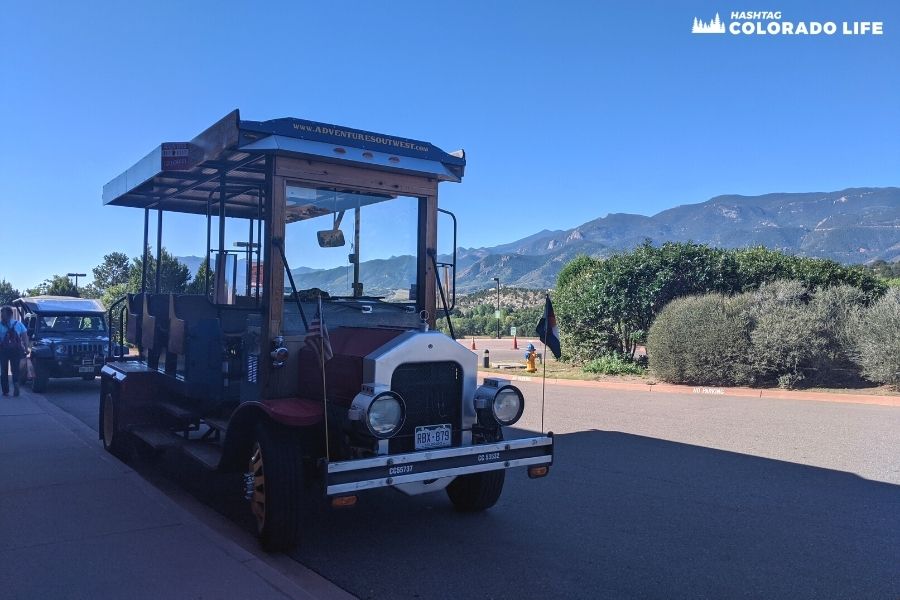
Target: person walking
{"type": "Point", "coordinates": [13, 342]}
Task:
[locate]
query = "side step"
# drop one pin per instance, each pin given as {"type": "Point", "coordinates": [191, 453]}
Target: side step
{"type": "Point", "coordinates": [177, 412]}
{"type": "Point", "coordinates": [206, 454]}
{"type": "Point", "coordinates": [159, 438]}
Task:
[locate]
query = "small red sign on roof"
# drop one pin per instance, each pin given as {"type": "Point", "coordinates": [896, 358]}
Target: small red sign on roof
{"type": "Point", "coordinates": [176, 156]}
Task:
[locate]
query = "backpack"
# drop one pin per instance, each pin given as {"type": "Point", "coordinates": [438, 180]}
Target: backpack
{"type": "Point", "coordinates": [11, 339]}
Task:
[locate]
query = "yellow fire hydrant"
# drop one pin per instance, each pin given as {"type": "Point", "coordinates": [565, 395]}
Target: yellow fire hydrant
{"type": "Point", "coordinates": [530, 356]}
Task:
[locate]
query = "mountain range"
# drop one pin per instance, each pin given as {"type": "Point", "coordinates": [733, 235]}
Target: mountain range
{"type": "Point", "coordinates": [855, 225]}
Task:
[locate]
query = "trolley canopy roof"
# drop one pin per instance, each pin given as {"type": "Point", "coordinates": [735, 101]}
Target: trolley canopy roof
{"type": "Point", "coordinates": [229, 156]}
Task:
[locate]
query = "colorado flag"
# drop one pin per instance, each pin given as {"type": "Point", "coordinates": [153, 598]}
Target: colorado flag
{"type": "Point", "coordinates": [547, 329]}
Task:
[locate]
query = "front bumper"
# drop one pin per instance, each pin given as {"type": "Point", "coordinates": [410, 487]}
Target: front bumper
{"type": "Point", "coordinates": [351, 476]}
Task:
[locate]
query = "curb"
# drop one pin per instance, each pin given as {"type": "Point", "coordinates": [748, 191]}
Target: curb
{"type": "Point", "coordinates": [712, 391]}
{"type": "Point", "coordinates": [293, 579]}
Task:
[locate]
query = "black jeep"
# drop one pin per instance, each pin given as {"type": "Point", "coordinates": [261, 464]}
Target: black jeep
{"type": "Point", "coordinates": [69, 337]}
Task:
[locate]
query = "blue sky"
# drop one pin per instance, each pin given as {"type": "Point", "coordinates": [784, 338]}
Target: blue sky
{"type": "Point", "coordinates": [567, 110]}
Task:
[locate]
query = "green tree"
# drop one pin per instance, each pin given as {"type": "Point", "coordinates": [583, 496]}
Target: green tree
{"type": "Point", "coordinates": [58, 285]}
{"type": "Point", "coordinates": [198, 283]}
{"type": "Point", "coordinates": [174, 275]}
{"type": "Point", "coordinates": [114, 270]}
{"type": "Point", "coordinates": [609, 304]}
{"type": "Point", "coordinates": [7, 292]}
{"type": "Point", "coordinates": [760, 265]}
{"type": "Point", "coordinates": [114, 292]}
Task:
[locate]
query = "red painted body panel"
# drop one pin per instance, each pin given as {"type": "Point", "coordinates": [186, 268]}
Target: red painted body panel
{"type": "Point", "coordinates": [295, 412]}
{"type": "Point", "coordinates": [344, 372]}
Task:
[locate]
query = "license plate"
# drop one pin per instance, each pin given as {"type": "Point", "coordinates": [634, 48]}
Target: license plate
{"type": "Point", "coordinates": [85, 369]}
{"type": "Point", "coordinates": [432, 436]}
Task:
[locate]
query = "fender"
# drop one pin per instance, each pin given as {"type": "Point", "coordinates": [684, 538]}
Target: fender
{"type": "Point", "coordinates": [304, 420]}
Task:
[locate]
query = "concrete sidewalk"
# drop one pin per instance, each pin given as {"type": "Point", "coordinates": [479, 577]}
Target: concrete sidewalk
{"type": "Point", "coordinates": [77, 523]}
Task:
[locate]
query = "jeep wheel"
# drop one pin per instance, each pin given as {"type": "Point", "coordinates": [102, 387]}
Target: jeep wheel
{"type": "Point", "coordinates": [115, 439]}
{"type": "Point", "coordinates": [276, 474]}
{"type": "Point", "coordinates": [41, 376]}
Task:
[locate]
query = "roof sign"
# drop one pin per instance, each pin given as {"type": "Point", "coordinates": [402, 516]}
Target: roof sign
{"type": "Point", "coordinates": [175, 156]}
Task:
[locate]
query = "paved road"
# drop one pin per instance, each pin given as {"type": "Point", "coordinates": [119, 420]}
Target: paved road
{"type": "Point", "coordinates": [652, 496]}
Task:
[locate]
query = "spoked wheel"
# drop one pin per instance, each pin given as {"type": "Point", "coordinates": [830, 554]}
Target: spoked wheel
{"type": "Point", "coordinates": [275, 476]}
{"type": "Point", "coordinates": [258, 500]}
{"type": "Point", "coordinates": [114, 438]}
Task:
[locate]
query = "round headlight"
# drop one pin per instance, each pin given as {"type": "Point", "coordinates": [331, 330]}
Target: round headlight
{"type": "Point", "coordinates": [385, 415]}
{"type": "Point", "coordinates": [60, 350]}
{"type": "Point", "coordinates": [508, 405]}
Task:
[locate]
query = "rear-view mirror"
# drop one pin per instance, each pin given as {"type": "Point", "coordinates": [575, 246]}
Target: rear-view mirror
{"type": "Point", "coordinates": [331, 238]}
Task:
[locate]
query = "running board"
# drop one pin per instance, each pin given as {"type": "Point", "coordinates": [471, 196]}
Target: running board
{"type": "Point", "coordinates": [157, 438]}
{"type": "Point", "coordinates": [208, 455]}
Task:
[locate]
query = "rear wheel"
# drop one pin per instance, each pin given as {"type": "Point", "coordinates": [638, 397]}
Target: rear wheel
{"type": "Point", "coordinates": [478, 491]}
{"type": "Point", "coordinates": [114, 438]}
{"type": "Point", "coordinates": [276, 497]}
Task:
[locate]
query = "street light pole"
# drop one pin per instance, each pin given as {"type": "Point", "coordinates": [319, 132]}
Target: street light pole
{"type": "Point", "coordinates": [497, 279]}
{"type": "Point", "coordinates": [76, 276]}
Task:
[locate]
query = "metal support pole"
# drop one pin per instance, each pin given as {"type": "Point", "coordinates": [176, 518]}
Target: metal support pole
{"type": "Point", "coordinates": [159, 214]}
{"type": "Point", "coordinates": [144, 251]}
{"type": "Point", "coordinates": [208, 243]}
{"type": "Point", "coordinates": [249, 256]}
{"type": "Point", "coordinates": [357, 288]}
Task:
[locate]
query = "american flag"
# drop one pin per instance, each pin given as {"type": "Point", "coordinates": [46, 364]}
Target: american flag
{"type": "Point", "coordinates": [317, 337]}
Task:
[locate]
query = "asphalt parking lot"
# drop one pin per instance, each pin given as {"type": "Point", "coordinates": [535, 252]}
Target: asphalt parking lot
{"type": "Point", "coordinates": [652, 496]}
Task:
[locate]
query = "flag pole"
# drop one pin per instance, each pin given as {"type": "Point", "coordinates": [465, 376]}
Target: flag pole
{"type": "Point", "coordinates": [544, 357]}
{"type": "Point", "coordinates": [543, 384]}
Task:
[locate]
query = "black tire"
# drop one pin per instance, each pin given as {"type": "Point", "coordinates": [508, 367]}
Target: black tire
{"type": "Point", "coordinates": [277, 502]}
{"type": "Point", "coordinates": [478, 491]}
{"type": "Point", "coordinates": [115, 439]}
{"type": "Point", "coordinates": [41, 377]}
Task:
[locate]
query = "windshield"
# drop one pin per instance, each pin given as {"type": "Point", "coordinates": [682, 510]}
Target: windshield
{"type": "Point", "coordinates": [352, 245]}
{"type": "Point", "coordinates": [69, 324]}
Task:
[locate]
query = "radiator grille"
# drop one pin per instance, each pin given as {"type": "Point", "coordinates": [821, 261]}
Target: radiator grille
{"type": "Point", "coordinates": [433, 395]}
{"type": "Point", "coordinates": [85, 349]}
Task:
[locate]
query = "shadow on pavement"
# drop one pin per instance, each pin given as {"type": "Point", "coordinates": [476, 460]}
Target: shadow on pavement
{"type": "Point", "coordinates": [620, 516]}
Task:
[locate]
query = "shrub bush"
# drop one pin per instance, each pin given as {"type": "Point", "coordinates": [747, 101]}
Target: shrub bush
{"type": "Point", "coordinates": [702, 340]}
{"type": "Point", "coordinates": [613, 364]}
{"type": "Point", "coordinates": [802, 336]}
{"type": "Point", "coordinates": [876, 335]}
{"type": "Point", "coordinates": [779, 334]}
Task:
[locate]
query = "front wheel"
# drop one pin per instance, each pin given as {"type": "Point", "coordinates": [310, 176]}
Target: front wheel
{"type": "Point", "coordinates": [478, 491]}
{"type": "Point", "coordinates": [276, 487]}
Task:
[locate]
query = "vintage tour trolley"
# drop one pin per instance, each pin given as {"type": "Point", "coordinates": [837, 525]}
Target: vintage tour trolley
{"type": "Point", "coordinates": [324, 390]}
